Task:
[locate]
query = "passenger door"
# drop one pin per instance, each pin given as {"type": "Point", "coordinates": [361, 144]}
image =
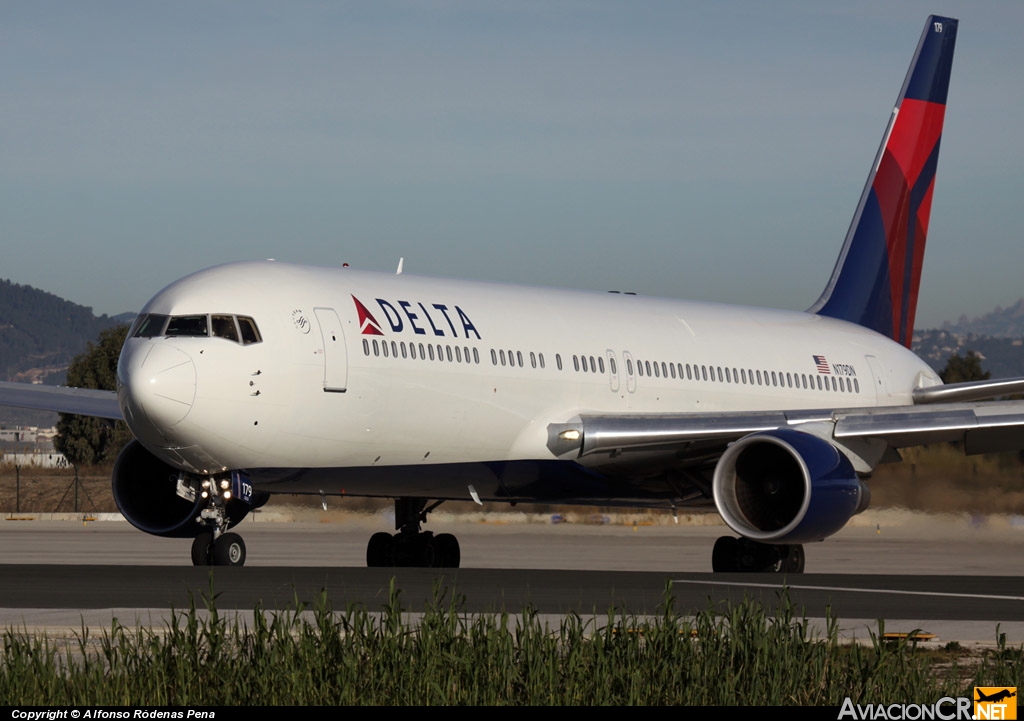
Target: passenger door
{"type": "Point", "coordinates": [335, 352]}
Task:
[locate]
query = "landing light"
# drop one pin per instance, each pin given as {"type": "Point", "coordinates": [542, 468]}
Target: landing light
{"type": "Point", "coordinates": [570, 435]}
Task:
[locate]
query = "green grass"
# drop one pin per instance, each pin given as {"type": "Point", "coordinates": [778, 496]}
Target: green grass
{"type": "Point", "coordinates": [322, 656]}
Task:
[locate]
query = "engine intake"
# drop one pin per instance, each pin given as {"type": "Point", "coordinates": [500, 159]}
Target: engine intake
{"type": "Point", "coordinates": [785, 486]}
{"type": "Point", "coordinates": [145, 490]}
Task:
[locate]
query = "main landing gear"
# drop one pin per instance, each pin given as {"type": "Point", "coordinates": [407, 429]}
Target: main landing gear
{"type": "Point", "coordinates": [743, 555]}
{"type": "Point", "coordinates": [412, 546]}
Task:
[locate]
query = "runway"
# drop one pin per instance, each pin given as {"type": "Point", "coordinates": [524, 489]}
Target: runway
{"type": "Point", "coordinates": [957, 578]}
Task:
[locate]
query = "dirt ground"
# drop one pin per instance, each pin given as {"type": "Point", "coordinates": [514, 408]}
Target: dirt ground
{"type": "Point", "coordinates": [46, 491]}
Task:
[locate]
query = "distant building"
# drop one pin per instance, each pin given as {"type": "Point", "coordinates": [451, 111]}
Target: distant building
{"type": "Point", "coordinates": [20, 434]}
{"type": "Point", "coordinates": [30, 446]}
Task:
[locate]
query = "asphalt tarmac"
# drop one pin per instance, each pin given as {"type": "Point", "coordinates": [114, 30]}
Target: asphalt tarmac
{"type": "Point", "coordinates": [956, 577]}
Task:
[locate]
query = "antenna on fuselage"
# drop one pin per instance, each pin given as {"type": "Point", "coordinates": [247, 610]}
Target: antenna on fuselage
{"type": "Point", "coordinates": [401, 261]}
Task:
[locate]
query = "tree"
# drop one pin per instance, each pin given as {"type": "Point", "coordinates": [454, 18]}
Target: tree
{"type": "Point", "coordinates": [960, 370]}
{"type": "Point", "coordinates": [86, 441]}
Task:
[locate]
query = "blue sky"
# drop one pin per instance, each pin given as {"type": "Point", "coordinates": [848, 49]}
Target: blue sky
{"type": "Point", "coordinates": [712, 151]}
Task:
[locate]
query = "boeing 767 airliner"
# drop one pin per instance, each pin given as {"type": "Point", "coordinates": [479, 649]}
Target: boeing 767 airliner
{"type": "Point", "coordinates": [255, 378]}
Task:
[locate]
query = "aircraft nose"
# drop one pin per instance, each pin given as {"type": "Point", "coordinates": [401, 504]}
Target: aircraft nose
{"type": "Point", "coordinates": [156, 386]}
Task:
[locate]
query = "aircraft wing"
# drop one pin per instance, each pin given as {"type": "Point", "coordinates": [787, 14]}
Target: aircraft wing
{"type": "Point", "coordinates": [982, 427]}
{"type": "Point", "coordinates": [62, 399]}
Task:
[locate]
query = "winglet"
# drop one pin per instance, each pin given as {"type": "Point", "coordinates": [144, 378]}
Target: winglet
{"type": "Point", "coordinates": [878, 274]}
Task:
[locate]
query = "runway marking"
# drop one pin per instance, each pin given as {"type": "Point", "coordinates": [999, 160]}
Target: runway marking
{"type": "Point", "coordinates": [986, 596]}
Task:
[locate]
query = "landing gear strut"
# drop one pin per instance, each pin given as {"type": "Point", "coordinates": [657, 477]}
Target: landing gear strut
{"type": "Point", "coordinates": [412, 546]}
{"type": "Point", "coordinates": [743, 555]}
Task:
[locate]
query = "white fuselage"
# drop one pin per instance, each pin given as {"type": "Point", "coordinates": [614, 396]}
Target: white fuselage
{"type": "Point", "coordinates": [412, 382]}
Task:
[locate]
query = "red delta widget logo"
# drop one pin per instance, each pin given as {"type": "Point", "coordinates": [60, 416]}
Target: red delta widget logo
{"type": "Point", "coordinates": [434, 319]}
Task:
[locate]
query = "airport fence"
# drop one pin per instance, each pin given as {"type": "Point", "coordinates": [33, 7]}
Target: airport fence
{"type": "Point", "coordinates": [37, 489]}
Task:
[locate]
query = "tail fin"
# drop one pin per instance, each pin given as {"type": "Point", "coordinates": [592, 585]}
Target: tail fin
{"type": "Point", "coordinates": [878, 274]}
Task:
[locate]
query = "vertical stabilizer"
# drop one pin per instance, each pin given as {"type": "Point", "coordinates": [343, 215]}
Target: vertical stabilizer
{"type": "Point", "coordinates": [878, 274]}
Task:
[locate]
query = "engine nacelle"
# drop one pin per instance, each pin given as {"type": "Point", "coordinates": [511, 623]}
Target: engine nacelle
{"type": "Point", "coordinates": [145, 490]}
{"type": "Point", "coordinates": [785, 486]}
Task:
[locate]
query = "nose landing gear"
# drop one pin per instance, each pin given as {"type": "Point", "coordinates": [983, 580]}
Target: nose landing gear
{"type": "Point", "coordinates": [214, 545]}
{"type": "Point", "coordinates": [227, 549]}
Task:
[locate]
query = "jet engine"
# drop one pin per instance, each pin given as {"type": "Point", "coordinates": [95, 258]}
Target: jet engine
{"type": "Point", "coordinates": [785, 486]}
{"type": "Point", "coordinates": [150, 496]}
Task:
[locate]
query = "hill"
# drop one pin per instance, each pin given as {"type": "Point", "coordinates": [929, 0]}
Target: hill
{"type": "Point", "coordinates": [39, 335]}
{"type": "Point", "coordinates": [1000, 323]}
{"type": "Point", "coordinates": [1003, 357]}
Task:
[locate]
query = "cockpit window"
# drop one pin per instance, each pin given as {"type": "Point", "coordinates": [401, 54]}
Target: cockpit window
{"type": "Point", "coordinates": [187, 325]}
{"type": "Point", "coordinates": [151, 326]}
{"type": "Point", "coordinates": [224, 327]}
{"type": "Point", "coordinates": [250, 333]}
{"type": "Point", "coordinates": [229, 327]}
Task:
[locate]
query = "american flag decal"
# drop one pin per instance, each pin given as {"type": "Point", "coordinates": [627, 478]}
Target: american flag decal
{"type": "Point", "coordinates": [819, 360]}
